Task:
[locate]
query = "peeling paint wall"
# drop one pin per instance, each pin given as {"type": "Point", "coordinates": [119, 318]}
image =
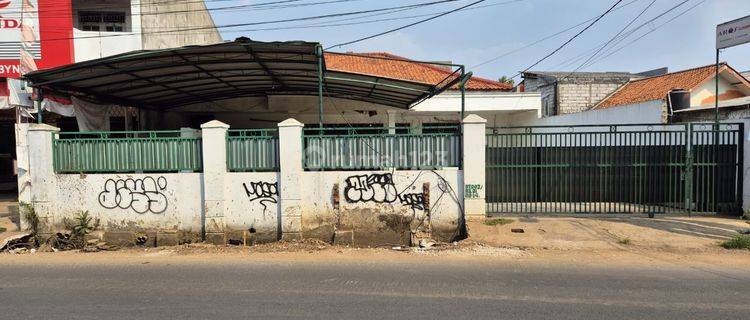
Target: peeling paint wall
{"type": "Point", "coordinates": [131, 202]}
{"type": "Point", "coordinates": [381, 207]}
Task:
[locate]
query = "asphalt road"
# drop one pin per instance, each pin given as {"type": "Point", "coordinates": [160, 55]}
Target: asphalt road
{"type": "Point", "coordinates": [368, 290]}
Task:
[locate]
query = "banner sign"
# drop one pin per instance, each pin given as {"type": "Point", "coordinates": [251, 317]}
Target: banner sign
{"type": "Point", "coordinates": [733, 33]}
{"type": "Point", "coordinates": [37, 32]}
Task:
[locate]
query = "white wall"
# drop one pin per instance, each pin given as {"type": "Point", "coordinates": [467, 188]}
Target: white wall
{"type": "Point", "coordinates": [165, 201]}
{"type": "Point", "coordinates": [647, 112]}
{"type": "Point", "coordinates": [90, 45]}
{"type": "Point", "coordinates": [381, 207]}
{"type": "Point", "coordinates": [252, 202]}
{"type": "Point", "coordinates": [357, 207]}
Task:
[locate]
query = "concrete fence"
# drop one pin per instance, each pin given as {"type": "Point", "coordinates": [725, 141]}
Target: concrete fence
{"type": "Point", "coordinates": [368, 207]}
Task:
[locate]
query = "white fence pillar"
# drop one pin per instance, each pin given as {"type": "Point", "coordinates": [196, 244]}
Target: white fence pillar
{"type": "Point", "coordinates": [42, 174]}
{"type": "Point", "coordinates": [290, 179]}
{"type": "Point", "coordinates": [214, 146]}
{"type": "Point", "coordinates": [474, 148]}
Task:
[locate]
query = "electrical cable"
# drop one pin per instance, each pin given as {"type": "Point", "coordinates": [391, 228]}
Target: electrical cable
{"type": "Point", "coordinates": [406, 26]}
{"type": "Point", "coordinates": [569, 40]}
{"type": "Point", "coordinates": [495, 58]}
{"type": "Point", "coordinates": [638, 16]}
{"type": "Point", "coordinates": [350, 13]}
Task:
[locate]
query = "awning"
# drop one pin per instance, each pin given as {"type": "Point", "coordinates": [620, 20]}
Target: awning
{"type": "Point", "coordinates": [169, 78]}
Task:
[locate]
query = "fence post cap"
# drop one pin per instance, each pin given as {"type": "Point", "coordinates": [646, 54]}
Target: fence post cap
{"type": "Point", "coordinates": [43, 127]}
{"type": "Point", "coordinates": [472, 118]}
{"type": "Point", "coordinates": [214, 124]}
{"type": "Point", "coordinates": [291, 122]}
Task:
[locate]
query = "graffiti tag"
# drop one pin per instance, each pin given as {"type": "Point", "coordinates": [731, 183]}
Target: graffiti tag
{"type": "Point", "coordinates": [263, 192]}
{"type": "Point", "coordinates": [472, 190]}
{"type": "Point", "coordinates": [141, 195]}
{"type": "Point", "coordinates": [379, 188]}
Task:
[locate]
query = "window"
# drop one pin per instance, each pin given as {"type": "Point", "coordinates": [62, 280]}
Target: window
{"type": "Point", "coordinates": [101, 21]}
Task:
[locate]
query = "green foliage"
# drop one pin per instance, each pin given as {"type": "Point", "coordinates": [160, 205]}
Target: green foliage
{"type": "Point", "coordinates": [29, 215]}
{"type": "Point", "coordinates": [498, 222]}
{"type": "Point", "coordinates": [3, 229]}
{"type": "Point", "coordinates": [82, 224]}
{"type": "Point", "coordinates": [507, 80]}
{"type": "Point", "coordinates": [737, 242]}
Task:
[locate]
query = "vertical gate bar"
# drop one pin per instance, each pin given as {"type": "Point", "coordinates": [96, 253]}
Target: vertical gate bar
{"type": "Point", "coordinates": [739, 161]}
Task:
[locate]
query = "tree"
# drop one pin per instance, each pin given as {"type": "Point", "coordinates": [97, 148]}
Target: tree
{"type": "Point", "coordinates": [507, 80]}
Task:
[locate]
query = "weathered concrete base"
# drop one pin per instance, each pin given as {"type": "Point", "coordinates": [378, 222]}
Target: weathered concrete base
{"type": "Point", "coordinates": [291, 236]}
{"type": "Point", "coordinates": [167, 238]}
{"type": "Point", "coordinates": [216, 238]}
{"type": "Point", "coordinates": [343, 238]}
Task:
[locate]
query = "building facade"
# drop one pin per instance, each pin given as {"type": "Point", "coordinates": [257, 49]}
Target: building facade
{"type": "Point", "coordinates": [68, 31]}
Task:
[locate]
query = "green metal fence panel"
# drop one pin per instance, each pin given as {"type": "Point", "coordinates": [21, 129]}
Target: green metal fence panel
{"type": "Point", "coordinates": [126, 151]}
{"type": "Point", "coordinates": [253, 150]}
{"type": "Point", "coordinates": [639, 168]}
{"type": "Point", "coordinates": [374, 148]}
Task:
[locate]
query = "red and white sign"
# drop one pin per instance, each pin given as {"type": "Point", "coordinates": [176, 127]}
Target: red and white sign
{"type": "Point", "coordinates": [49, 25]}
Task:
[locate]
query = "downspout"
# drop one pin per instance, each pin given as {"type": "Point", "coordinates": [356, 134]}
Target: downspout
{"type": "Point", "coordinates": [319, 53]}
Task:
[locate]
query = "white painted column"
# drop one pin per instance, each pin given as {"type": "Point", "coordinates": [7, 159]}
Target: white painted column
{"type": "Point", "coordinates": [474, 141]}
{"type": "Point", "coordinates": [42, 174]}
{"type": "Point", "coordinates": [391, 121]}
{"type": "Point", "coordinates": [290, 178]}
{"type": "Point", "coordinates": [22, 163]}
{"type": "Point", "coordinates": [214, 172]}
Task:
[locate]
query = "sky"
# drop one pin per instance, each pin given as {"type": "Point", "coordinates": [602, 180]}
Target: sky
{"type": "Point", "coordinates": [505, 30]}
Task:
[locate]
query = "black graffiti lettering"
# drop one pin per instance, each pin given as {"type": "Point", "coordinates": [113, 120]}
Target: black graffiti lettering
{"type": "Point", "coordinates": [263, 192]}
{"type": "Point", "coordinates": [415, 201]}
{"type": "Point", "coordinates": [141, 195]}
{"type": "Point", "coordinates": [379, 188]}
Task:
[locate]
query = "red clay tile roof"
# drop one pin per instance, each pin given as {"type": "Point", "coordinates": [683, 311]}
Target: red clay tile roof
{"type": "Point", "coordinates": [657, 88]}
{"type": "Point", "coordinates": [403, 69]}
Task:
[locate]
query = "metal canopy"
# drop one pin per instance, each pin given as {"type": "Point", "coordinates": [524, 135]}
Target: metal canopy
{"type": "Point", "coordinates": [169, 78]}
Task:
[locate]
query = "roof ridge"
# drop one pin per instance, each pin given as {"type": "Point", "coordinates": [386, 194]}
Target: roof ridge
{"type": "Point", "coordinates": [422, 63]}
{"type": "Point", "coordinates": [678, 72]}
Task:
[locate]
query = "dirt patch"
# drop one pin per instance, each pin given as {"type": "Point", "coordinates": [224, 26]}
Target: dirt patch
{"type": "Point", "coordinates": [587, 233]}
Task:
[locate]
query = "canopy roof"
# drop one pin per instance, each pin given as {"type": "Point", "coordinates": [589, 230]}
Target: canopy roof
{"type": "Point", "coordinates": [168, 78]}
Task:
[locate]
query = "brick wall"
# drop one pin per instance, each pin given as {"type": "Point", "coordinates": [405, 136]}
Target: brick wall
{"type": "Point", "coordinates": [577, 97]}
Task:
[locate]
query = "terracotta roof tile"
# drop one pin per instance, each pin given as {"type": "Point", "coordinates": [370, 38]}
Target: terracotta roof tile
{"type": "Point", "coordinates": [657, 88]}
{"type": "Point", "coordinates": [403, 69]}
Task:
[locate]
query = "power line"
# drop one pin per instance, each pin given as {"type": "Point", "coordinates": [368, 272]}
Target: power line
{"type": "Point", "coordinates": [569, 40]}
{"type": "Point", "coordinates": [647, 33]}
{"type": "Point", "coordinates": [234, 8]}
{"type": "Point", "coordinates": [308, 18]}
{"type": "Point", "coordinates": [495, 58]}
{"type": "Point", "coordinates": [333, 24]}
{"type": "Point", "coordinates": [623, 36]}
{"type": "Point", "coordinates": [406, 26]}
{"type": "Point", "coordinates": [638, 16]}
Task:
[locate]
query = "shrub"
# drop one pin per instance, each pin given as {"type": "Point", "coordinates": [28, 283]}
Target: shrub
{"type": "Point", "coordinates": [737, 242]}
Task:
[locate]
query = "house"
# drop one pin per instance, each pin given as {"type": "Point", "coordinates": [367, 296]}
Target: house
{"type": "Point", "coordinates": [647, 99]}
{"type": "Point", "coordinates": [276, 140]}
{"type": "Point", "coordinates": [571, 92]}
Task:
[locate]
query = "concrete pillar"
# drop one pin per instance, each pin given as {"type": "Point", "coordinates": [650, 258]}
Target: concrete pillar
{"type": "Point", "coordinates": [22, 163]}
{"type": "Point", "coordinates": [290, 178]}
{"type": "Point", "coordinates": [474, 165]}
{"type": "Point", "coordinates": [214, 172]}
{"type": "Point", "coordinates": [391, 117]}
{"type": "Point", "coordinates": [42, 174]}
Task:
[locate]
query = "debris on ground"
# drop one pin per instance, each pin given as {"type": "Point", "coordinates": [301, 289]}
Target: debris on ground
{"type": "Point", "coordinates": [16, 241]}
{"type": "Point", "coordinates": [517, 230]}
{"type": "Point", "coordinates": [291, 245]}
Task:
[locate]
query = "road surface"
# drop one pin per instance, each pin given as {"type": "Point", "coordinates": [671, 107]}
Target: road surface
{"type": "Point", "coordinates": [368, 289]}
